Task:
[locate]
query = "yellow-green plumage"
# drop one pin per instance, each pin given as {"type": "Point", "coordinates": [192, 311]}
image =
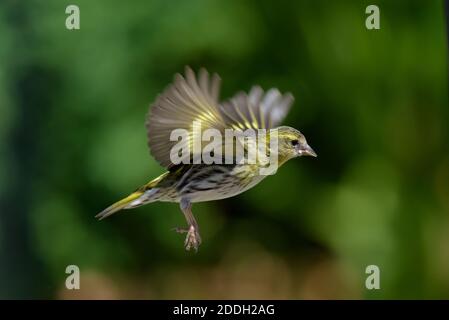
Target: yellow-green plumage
{"type": "Point", "coordinates": [192, 99]}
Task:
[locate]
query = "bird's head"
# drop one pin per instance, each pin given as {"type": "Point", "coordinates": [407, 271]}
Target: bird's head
{"type": "Point", "coordinates": [292, 144]}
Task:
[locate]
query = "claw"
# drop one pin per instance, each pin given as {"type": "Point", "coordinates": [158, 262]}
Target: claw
{"type": "Point", "coordinates": [180, 230]}
{"type": "Point", "coordinates": [193, 238]}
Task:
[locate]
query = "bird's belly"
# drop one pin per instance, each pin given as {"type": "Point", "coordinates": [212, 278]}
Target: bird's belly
{"type": "Point", "coordinates": [202, 196]}
{"type": "Point", "coordinates": [224, 190]}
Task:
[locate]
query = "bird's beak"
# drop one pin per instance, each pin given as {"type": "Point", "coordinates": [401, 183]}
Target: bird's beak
{"type": "Point", "coordinates": [306, 150]}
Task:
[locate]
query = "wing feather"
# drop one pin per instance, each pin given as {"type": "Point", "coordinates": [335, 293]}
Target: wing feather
{"type": "Point", "coordinates": [195, 98]}
{"type": "Point", "coordinates": [257, 109]}
{"type": "Point", "coordinates": [184, 101]}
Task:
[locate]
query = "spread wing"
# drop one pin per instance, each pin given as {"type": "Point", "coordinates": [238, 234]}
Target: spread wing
{"type": "Point", "coordinates": [190, 100]}
{"type": "Point", "coordinates": [257, 109]}
{"type": "Point", "coordinates": [184, 102]}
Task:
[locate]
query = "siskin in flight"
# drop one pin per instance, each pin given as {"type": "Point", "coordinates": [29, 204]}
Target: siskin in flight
{"type": "Point", "coordinates": [189, 99]}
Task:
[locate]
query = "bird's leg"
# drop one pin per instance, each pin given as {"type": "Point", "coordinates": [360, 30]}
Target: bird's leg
{"type": "Point", "coordinates": [193, 238]}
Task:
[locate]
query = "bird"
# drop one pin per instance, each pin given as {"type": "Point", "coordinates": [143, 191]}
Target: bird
{"type": "Point", "coordinates": [195, 97]}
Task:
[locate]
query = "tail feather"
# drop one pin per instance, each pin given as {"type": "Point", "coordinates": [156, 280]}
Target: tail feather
{"type": "Point", "coordinates": [119, 205]}
{"type": "Point", "coordinates": [147, 191]}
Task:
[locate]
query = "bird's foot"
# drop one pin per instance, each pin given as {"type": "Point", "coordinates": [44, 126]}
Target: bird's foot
{"type": "Point", "coordinates": [193, 238]}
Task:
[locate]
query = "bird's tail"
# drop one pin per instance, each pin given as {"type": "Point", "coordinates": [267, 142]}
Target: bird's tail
{"type": "Point", "coordinates": [145, 194]}
{"type": "Point", "coordinates": [119, 205]}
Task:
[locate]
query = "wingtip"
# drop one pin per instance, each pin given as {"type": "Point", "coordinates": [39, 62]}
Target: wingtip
{"type": "Point", "coordinates": [288, 99]}
{"type": "Point", "coordinates": [189, 73]}
{"type": "Point", "coordinates": [203, 71]}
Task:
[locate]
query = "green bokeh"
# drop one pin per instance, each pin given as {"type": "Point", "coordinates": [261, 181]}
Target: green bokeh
{"type": "Point", "coordinates": [372, 103]}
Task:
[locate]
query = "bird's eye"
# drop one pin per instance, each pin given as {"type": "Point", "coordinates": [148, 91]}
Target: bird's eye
{"type": "Point", "coordinates": [295, 142]}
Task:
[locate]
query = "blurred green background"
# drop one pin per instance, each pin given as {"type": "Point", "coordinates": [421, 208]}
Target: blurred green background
{"type": "Point", "coordinates": [372, 103]}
